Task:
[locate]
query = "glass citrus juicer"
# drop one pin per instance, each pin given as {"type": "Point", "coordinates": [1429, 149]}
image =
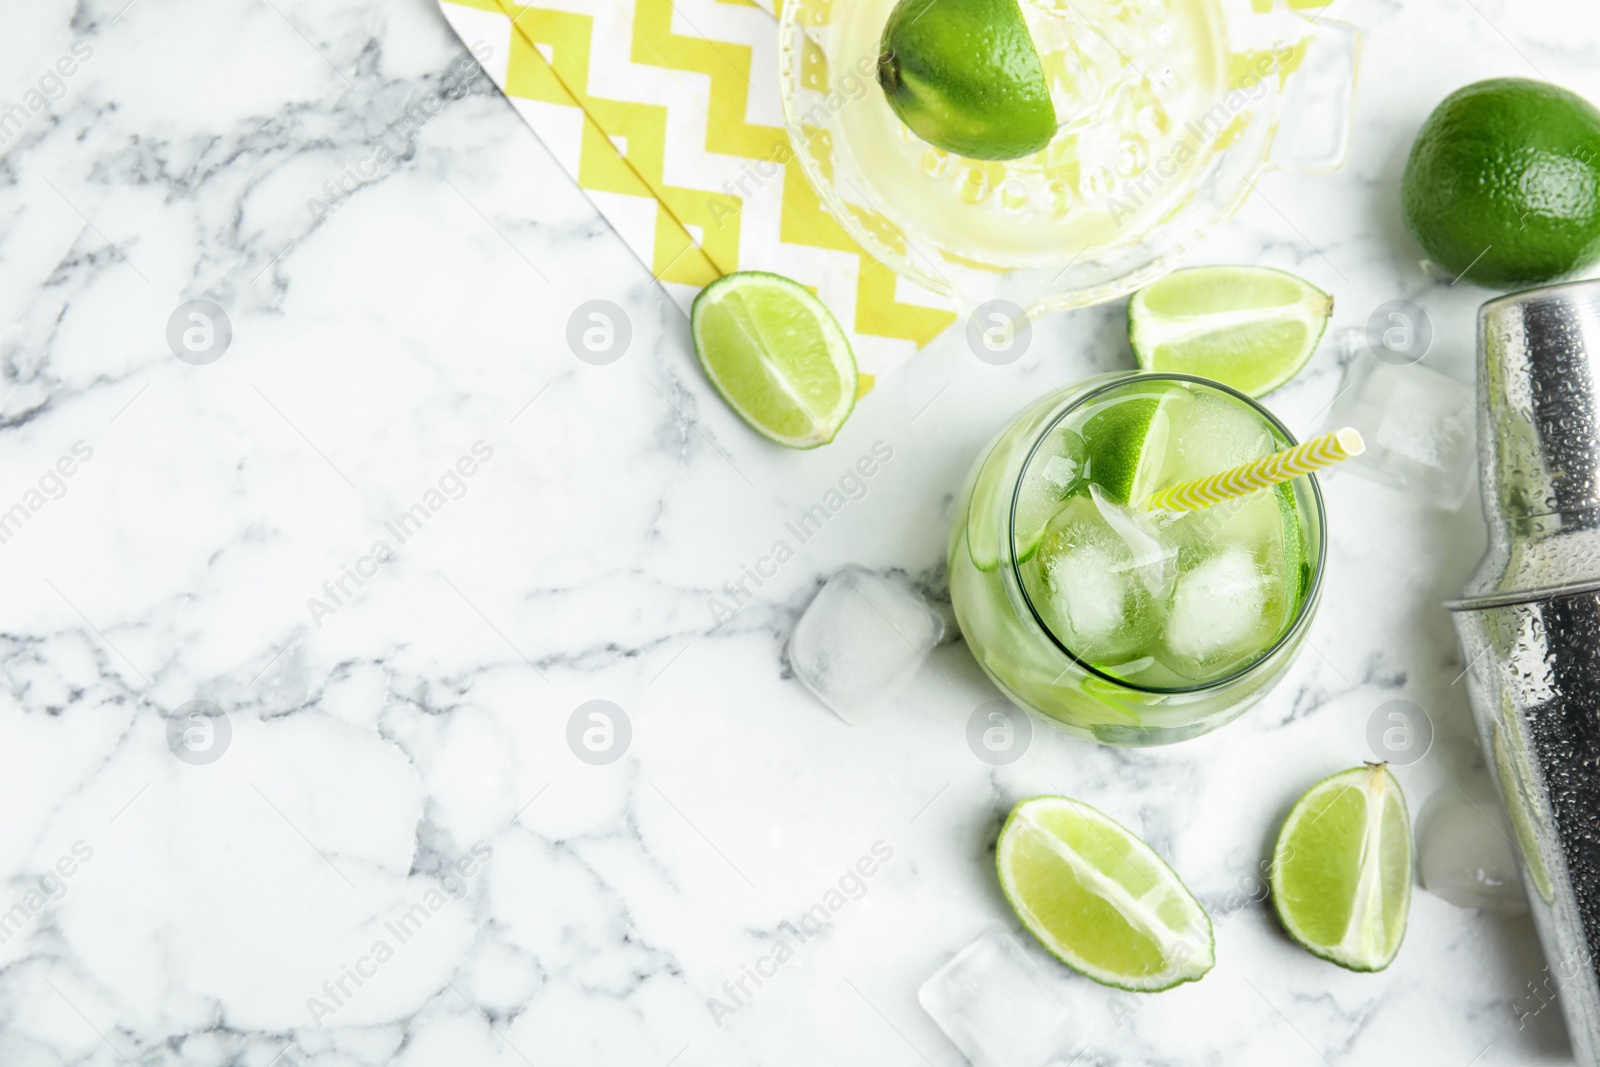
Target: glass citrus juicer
{"type": "Point", "coordinates": [1167, 112]}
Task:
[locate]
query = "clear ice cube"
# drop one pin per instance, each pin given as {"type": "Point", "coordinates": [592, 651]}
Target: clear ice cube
{"type": "Point", "coordinates": [1219, 612]}
{"type": "Point", "coordinates": [1154, 559]}
{"type": "Point", "coordinates": [996, 1005]}
{"type": "Point", "coordinates": [1465, 853]}
{"type": "Point", "coordinates": [861, 640]}
{"type": "Point", "coordinates": [1095, 596]}
{"type": "Point", "coordinates": [1091, 593]}
{"type": "Point", "coordinates": [1211, 433]}
{"type": "Point", "coordinates": [1420, 427]}
{"type": "Point", "coordinates": [1061, 473]}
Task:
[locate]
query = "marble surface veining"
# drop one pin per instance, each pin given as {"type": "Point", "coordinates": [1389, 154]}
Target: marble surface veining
{"type": "Point", "coordinates": [397, 682]}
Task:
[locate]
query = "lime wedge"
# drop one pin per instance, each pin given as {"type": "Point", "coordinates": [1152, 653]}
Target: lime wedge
{"type": "Point", "coordinates": [1099, 899]}
{"type": "Point", "coordinates": [1341, 871]}
{"type": "Point", "coordinates": [1126, 445]}
{"type": "Point", "coordinates": [777, 356]}
{"type": "Point", "coordinates": [1249, 327]}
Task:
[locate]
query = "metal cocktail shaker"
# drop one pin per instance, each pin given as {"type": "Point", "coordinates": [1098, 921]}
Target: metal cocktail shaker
{"type": "Point", "coordinates": [1529, 620]}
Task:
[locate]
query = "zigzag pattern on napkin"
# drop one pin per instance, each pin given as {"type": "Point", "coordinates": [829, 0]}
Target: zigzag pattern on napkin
{"type": "Point", "coordinates": [624, 148]}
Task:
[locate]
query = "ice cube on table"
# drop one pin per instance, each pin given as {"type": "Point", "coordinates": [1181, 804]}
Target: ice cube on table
{"type": "Point", "coordinates": [995, 1005]}
{"type": "Point", "coordinates": [861, 640]}
{"type": "Point", "coordinates": [1420, 427]}
{"type": "Point", "coordinates": [1465, 853]}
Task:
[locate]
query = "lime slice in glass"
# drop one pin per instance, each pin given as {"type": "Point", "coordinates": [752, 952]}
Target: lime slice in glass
{"type": "Point", "coordinates": [777, 356]}
{"type": "Point", "coordinates": [1100, 899]}
{"type": "Point", "coordinates": [1341, 871]}
{"type": "Point", "coordinates": [1126, 445]}
{"type": "Point", "coordinates": [1249, 327]}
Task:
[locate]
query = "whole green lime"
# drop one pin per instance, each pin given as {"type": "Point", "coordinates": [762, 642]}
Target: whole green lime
{"type": "Point", "coordinates": [965, 76]}
{"type": "Point", "coordinates": [1503, 184]}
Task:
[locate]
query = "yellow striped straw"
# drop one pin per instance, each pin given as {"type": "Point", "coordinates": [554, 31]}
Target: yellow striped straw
{"type": "Point", "coordinates": [1264, 473]}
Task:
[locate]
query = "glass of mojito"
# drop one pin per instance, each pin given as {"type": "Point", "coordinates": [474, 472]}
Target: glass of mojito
{"type": "Point", "coordinates": [1128, 626]}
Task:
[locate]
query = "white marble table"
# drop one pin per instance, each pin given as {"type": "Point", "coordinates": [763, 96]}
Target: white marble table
{"type": "Point", "coordinates": [397, 768]}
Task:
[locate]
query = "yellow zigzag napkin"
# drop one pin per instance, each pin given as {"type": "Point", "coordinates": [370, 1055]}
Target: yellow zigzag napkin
{"type": "Point", "coordinates": [666, 112]}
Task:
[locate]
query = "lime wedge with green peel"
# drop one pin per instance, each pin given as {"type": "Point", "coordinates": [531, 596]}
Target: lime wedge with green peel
{"type": "Point", "coordinates": [1100, 899]}
{"type": "Point", "coordinates": [1249, 327]}
{"type": "Point", "coordinates": [965, 76]}
{"type": "Point", "coordinates": [1126, 444]}
{"type": "Point", "coordinates": [777, 356]}
{"type": "Point", "coordinates": [1341, 872]}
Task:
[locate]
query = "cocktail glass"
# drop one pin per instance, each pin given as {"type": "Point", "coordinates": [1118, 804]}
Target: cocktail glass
{"type": "Point", "coordinates": [1169, 111]}
{"type": "Point", "coordinates": [1017, 646]}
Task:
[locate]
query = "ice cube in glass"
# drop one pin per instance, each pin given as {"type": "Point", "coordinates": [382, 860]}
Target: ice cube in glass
{"type": "Point", "coordinates": [1093, 594]}
{"type": "Point", "coordinates": [1222, 611]}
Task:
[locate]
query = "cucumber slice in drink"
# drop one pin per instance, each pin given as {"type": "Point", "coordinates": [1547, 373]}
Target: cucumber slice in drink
{"type": "Point", "coordinates": [1296, 567]}
{"type": "Point", "coordinates": [985, 520]}
{"type": "Point", "coordinates": [1055, 473]}
{"type": "Point", "coordinates": [989, 510]}
{"type": "Point", "coordinates": [1100, 899]}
